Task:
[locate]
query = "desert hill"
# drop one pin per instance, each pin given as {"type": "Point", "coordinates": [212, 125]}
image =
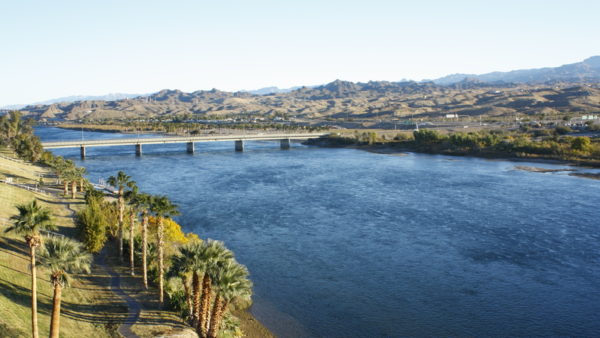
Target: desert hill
{"type": "Point", "coordinates": [489, 94]}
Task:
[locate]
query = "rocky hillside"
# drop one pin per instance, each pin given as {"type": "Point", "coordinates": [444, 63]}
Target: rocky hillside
{"type": "Point", "coordinates": [342, 100]}
{"type": "Point", "coordinates": [572, 88]}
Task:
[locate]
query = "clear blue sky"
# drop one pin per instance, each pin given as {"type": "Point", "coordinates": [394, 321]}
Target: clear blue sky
{"type": "Point", "coordinates": [58, 48]}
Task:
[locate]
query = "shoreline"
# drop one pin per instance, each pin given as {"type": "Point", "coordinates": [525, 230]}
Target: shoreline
{"type": "Point", "coordinates": [390, 149]}
{"type": "Point", "coordinates": [400, 151]}
{"type": "Point", "coordinates": [397, 151]}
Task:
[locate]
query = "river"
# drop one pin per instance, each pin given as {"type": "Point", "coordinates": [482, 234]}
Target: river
{"type": "Point", "coordinates": [347, 243]}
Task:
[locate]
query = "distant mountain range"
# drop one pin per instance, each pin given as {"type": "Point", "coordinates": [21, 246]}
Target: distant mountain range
{"type": "Point", "coordinates": [586, 71]}
{"type": "Point", "coordinates": [580, 72]}
{"type": "Point", "coordinates": [573, 88]}
{"type": "Point", "coordinates": [271, 90]}
{"type": "Point", "coordinates": [341, 101]}
{"type": "Point", "coordinates": [66, 99]}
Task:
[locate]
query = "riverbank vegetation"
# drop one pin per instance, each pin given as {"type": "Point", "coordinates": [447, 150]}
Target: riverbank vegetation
{"type": "Point", "coordinates": [88, 305]}
{"type": "Point", "coordinates": [53, 195]}
{"type": "Point", "coordinates": [17, 134]}
{"type": "Point", "coordinates": [179, 126]}
{"type": "Point", "coordinates": [553, 144]}
{"type": "Point", "coordinates": [201, 280]}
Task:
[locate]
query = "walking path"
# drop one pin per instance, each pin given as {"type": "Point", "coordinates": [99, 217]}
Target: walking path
{"type": "Point", "coordinates": [133, 306]}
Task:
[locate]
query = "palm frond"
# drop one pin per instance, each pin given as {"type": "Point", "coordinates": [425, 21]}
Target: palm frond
{"type": "Point", "coordinates": [64, 256]}
{"type": "Point", "coordinates": [31, 219]}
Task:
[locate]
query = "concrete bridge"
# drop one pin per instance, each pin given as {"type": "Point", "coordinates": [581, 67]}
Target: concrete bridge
{"type": "Point", "coordinates": [238, 140]}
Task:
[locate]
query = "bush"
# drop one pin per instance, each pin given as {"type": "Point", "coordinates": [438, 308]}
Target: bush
{"type": "Point", "coordinates": [581, 143]}
{"type": "Point", "coordinates": [92, 226]}
{"type": "Point", "coordinates": [542, 132]}
{"type": "Point", "coordinates": [403, 137]}
{"type": "Point", "coordinates": [593, 127]}
{"type": "Point", "coordinates": [563, 130]}
{"type": "Point", "coordinates": [428, 137]}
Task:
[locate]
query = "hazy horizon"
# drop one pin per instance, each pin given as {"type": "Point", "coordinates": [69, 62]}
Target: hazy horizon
{"type": "Point", "coordinates": [63, 48]}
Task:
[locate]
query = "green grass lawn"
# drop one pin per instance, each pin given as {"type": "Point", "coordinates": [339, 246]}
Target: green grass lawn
{"type": "Point", "coordinates": [88, 306]}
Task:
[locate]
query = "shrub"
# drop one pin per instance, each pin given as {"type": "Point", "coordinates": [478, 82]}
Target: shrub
{"type": "Point", "coordinates": [92, 226]}
{"type": "Point", "coordinates": [563, 130]}
{"type": "Point", "coordinates": [428, 137]}
{"type": "Point", "coordinates": [581, 143]}
{"type": "Point", "coordinates": [542, 132]}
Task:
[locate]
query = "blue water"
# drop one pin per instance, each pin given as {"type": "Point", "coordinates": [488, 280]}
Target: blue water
{"type": "Point", "coordinates": [347, 243]}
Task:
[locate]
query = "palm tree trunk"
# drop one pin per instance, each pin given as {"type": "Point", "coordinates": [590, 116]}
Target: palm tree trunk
{"type": "Point", "coordinates": [81, 184]}
{"type": "Point", "coordinates": [65, 187]}
{"type": "Point", "coordinates": [131, 246]}
{"type": "Point", "coordinates": [145, 248]}
{"type": "Point", "coordinates": [160, 260]}
{"type": "Point", "coordinates": [196, 298]}
{"type": "Point", "coordinates": [216, 317]}
{"type": "Point", "coordinates": [55, 321]}
{"type": "Point", "coordinates": [188, 296]}
{"type": "Point", "coordinates": [121, 211]}
{"type": "Point", "coordinates": [73, 189]}
{"type": "Point", "coordinates": [34, 324]}
{"type": "Point", "coordinates": [204, 306]}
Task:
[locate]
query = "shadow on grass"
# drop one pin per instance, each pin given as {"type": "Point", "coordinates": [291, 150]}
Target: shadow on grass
{"type": "Point", "coordinates": [22, 296]}
{"type": "Point", "coordinates": [107, 312]}
{"type": "Point", "coordinates": [14, 247]}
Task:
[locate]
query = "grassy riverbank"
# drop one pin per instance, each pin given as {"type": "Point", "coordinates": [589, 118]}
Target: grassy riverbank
{"type": "Point", "coordinates": [89, 305]}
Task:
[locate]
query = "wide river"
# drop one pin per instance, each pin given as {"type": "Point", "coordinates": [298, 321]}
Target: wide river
{"type": "Point", "coordinates": [347, 243]}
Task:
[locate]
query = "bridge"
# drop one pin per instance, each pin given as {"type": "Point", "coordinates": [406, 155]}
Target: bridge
{"type": "Point", "coordinates": [189, 140]}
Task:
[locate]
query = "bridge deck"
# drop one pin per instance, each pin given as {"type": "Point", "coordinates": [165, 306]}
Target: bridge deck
{"type": "Point", "coordinates": [188, 139]}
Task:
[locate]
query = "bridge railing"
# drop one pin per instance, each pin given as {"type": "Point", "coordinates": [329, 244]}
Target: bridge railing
{"type": "Point", "coordinates": [177, 139]}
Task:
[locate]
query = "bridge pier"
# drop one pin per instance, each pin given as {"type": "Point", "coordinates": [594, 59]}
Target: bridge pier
{"type": "Point", "coordinates": [284, 144]}
{"type": "Point", "coordinates": [190, 147]}
{"type": "Point", "coordinates": [82, 152]}
{"type": "Point", "coordinates": [239, 145]}
{"type": "Point", "coordinates": [138, 149]}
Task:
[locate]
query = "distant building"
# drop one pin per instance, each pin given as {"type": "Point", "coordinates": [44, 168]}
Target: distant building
{"type": "Point", "coordinates": [451, 116]}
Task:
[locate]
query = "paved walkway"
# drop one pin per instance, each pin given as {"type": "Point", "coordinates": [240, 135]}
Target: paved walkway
{"type": "Point", "coordinates": [133, 306]}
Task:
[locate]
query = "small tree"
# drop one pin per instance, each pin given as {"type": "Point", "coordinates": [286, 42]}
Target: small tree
{"type": "Point", "coordinates": [91, 223]}
{"type": "Point", "coordinates": [581, 143]}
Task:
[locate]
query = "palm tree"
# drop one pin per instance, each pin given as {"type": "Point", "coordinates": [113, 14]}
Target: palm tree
{"type": "Point", "coordinates": [145, 201]}
{"type": "Point", "coordinates": [71, 176]}
{"type": "Point", "coordinates": [62, 256]}
{"type": "Point", "coordinates": [184, 265]}
{"type": "Point", "coordinates": [162, 207]}
{"type": "Point", "coordinates": [231, 281]}
{"type": "Point", "coordinates": [131, 198]}
{"type": "Point", "coordinates": [80, 172]}
{"type": "Point", "coordinates": [63, 169]}
{"type": "Point", "coordinates": [31, 219]}
{"type": "Point", "coordinates": [121, 181]}
{"type": "Point", "coordinates": [213, 254]}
